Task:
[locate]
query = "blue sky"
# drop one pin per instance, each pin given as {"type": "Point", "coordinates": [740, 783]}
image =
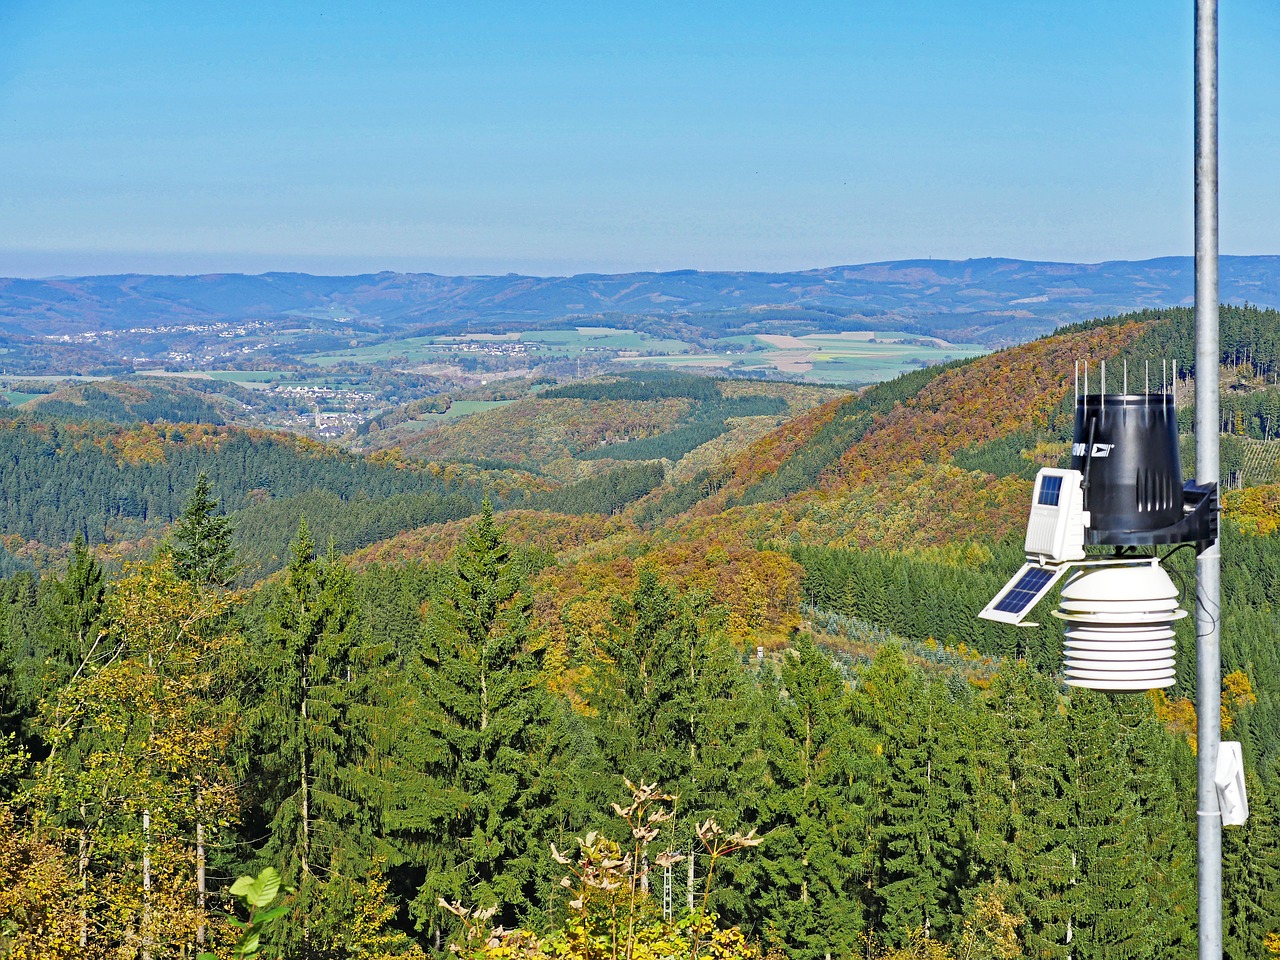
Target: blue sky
{"type": "Point", "coordinates": [563, 137]}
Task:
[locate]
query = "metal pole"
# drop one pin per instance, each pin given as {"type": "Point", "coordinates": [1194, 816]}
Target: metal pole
{"type": "Point", "coordinates": [1208, 563]}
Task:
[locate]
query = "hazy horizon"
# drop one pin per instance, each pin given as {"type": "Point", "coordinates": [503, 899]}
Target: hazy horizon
{"type": "Point", "coordinates": [365, 266]}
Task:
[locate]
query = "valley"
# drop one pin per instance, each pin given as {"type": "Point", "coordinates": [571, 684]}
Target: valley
{"type": "Point", "coordinates": [414, 660]}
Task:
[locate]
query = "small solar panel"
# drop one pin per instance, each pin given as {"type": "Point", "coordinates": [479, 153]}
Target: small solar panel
{"type": "Point", "coordinates": [1050, 489]}
{"type": "Point", "coordinates": [1027, 587]}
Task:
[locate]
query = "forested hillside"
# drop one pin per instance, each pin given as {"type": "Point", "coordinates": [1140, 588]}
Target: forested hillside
{"type": "Point", "coordinates": [125, 403]}
{"type": "Point", "coordinates": [113, 463]}
{"type": "Point", "coordinates": [397, 739]}
{"type": "Point", "coordinates": [413, 734]}
{"type": "Point", "coordinates": [116, 485]}
{"type": "Point", "coordinates": [572, 432]}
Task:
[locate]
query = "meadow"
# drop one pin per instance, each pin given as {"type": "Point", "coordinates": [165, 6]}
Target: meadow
{"type": "Point", "coordinates": [457, 408]}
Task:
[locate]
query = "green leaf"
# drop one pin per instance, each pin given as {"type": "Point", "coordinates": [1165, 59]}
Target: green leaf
{"type": "Point", "coordinates": [264, 888]}
{"type": "Point", "coordinates": [275, 912]}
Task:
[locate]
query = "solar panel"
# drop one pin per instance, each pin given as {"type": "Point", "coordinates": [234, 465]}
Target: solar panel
{"type": "Point", "coordinates": [1050, 489]}
{"type": "Point", "coordinates": [1027, 587]}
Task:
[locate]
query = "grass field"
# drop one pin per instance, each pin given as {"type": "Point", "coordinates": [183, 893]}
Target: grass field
{"type": "Point", "coordinates": [603, 338]}
{"type": "Point", "coordinates": [414, 349]}
{"type": "Point", "coordinates": [458, 408]}
{"type": "Point", "coordinates": [243, 376]}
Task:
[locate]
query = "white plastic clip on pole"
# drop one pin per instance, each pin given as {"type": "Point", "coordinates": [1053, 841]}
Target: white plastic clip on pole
{"type": "Point", "coordinates": [1228, 778]}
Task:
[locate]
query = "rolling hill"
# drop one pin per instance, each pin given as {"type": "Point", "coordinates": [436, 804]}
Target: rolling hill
{"type": "Point", "coordinates": [989, 301]}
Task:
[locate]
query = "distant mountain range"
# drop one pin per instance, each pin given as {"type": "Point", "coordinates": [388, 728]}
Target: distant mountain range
{"type": "Point", "coordinates": [990, 301]}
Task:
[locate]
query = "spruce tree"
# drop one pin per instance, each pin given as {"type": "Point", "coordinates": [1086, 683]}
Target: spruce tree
{"type": "Point", "coordinates": [484, 716]}
{"type": "Point", "coordinates": [317, 709]}
{"type": "Point", "coordinates": [672, 705]}
{"type": "Point", "coordinates": [1112, 905]}
{"type": "Point", "coordinates": [644, 691]}
{"type": "Point", "coordinates": [1162, 778]}
{"type": "Point", "coordinates": [22, 669]}
{"type": "Point", "coordinates": [1026, 822]}
{"type": "Point", "coordinates": [729, 773]}
{"type": "Point", "coordinates": [922, 827]}
{"type": "Point", "coordinates": [74, 610]}
{"type": "Point", "coordinates": [1251, 875]}
{"type": "Point", "coordinates": [49, 632]}
{"type": "Point", "coordinates": [816, 810]}
{"type": "Point", "coordinates": [202, 547]}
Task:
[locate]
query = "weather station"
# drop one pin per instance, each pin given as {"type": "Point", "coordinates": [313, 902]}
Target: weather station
{"type": "Point", "coordinates": [1124, 491]}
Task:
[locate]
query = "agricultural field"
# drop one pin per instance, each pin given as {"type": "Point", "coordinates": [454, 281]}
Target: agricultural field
{"type": "Point", "coordinates": [19, 390]}
{"type": "Point", "coordinates": [858, 356]}
{"type": "Point", "coordinates": [261, 379]}
{"type": "Point", "coordinates": [536, 346]}
{"type": "Point", "coordinates": [839, 357]}
{"type": "Point", "coordinates": [252, 379]}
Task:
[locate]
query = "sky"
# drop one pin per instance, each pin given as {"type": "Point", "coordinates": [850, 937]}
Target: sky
{"type": "Point", "coordinates": [560, 137]}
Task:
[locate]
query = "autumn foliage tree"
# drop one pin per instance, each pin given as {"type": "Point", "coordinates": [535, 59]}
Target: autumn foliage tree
{"type": "Point", "coordinates": [135, 777]}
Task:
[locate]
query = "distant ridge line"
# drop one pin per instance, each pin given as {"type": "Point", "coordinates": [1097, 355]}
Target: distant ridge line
{"type": "Point", "coordinates": [992, 300]}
